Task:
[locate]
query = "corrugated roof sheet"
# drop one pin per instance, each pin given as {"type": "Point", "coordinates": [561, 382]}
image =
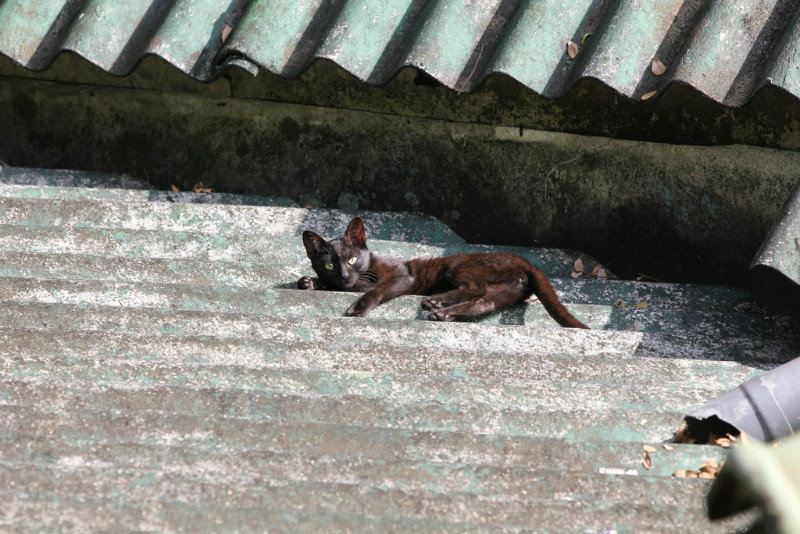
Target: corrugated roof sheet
{"type": "Point", "coordinates": [727, 50]}
{"type": "Point", "coordinates": [158, 373]}
{"type": "Point", "coordinates": [776, 267]}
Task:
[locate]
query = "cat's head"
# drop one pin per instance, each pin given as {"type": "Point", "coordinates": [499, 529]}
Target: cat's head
{"type": "Point", "coordinates": [339, 262]}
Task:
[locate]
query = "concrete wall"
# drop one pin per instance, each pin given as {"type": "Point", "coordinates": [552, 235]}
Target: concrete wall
{"type": "Point", "coordinates": [480, 162]}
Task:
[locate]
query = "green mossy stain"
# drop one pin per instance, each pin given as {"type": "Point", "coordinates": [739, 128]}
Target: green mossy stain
{"type": "Point", "coordinates": [302, 332]}
{"type": "Point", "coordinates": [144, 481]}
{"type": "Point", "coordinates": [172, 330]}
{"type": "Point", "coordinates": [25, 108]}
{"type": "Point", "coordinates": [290, 129]}
{"type": "Point", "coordinates": [348, 202]}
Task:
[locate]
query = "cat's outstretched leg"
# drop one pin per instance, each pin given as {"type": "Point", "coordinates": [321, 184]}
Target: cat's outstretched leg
{"type": "Point", "coordinates": [497, 296]}
{"type": "Point", "coordinates": [456, 296]}
{"type": "Point", "coordinates": [386, 290]}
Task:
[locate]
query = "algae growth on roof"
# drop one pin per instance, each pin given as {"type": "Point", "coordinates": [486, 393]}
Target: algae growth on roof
{"type": "Point", "coordinates": [159, 373]}
{"type": "Point", "coordinates": [725, 50]}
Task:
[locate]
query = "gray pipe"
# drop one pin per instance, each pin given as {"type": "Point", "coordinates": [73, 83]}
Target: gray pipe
{"type": "Point", "coordinates": [766, 407]}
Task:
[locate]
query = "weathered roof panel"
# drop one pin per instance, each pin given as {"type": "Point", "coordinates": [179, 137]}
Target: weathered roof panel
{"type": "Point", "coordinates": [154, 362]}
{"type": "Point", "coordinates": [726, 50]}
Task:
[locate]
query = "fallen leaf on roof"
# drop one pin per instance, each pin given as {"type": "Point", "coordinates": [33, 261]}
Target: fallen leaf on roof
{"type": "Point", "coordinates": [199, 187]}
{"type": "Point", "coordinates": [599, 271]}
{"type": "Point", "coordinates": [175, 188]}
{"type": "Point", "coordinates": [641, 304]}
{"type": "Point", "coordinates": [621, 304]}
{"type": "Point", "coordinates": [709, 467]}
{"type": "Point", "coordinates": [648, 448]}
{"type": "Point", "coordinates": [649, 95]}
{"type": "Point", "coordinates": [657, 67]}
{"type": "Point", "coordinates": [585, 37]}
{"type": "Point", "coordinates": [226, 31]}
{"type": "Point", "coordinates": [668, 447]}
{"type": "Point", "coordinates": [572, 49]}
{"type": "Point", "coordinates": [646, 461]}
{"type": "Point", "coordinates": [577, 268]}
{"type": "Point", "coordinates": [723, 442]}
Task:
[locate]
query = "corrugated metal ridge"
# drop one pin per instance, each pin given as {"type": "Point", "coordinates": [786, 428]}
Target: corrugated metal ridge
{"type": "Point", "coordinates": [776, 267]}
{"type": "Point", "coordinates": [727, 50]}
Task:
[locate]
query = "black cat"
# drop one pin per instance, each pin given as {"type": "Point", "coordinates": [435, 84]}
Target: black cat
{"type": "Point", "coordinates": [458, 287]}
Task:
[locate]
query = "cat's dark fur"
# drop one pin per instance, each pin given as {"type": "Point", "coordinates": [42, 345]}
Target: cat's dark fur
{"type": "Point", "coordinates": [457, 287]}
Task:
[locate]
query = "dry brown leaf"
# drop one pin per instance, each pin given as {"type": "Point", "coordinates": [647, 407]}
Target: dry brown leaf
{"type": "Point", "coordinates": [641, 304]}
{"type": "Point", "coordinates": [668, 447]}
{"type": "Point", "coordinates": [648, 448]}
{"type": "Point", "coordinates": [199, 187]}
{"type": "Point", "coordinates": [572, 49]}
{"type": "Point", "coordinates": [599, 271]}
{"type": "Point", "coordinates": [621, 304]}
{"type": "Point", "coordinates": [226, 31]}
{"type": "Point", "coordinates": [709, 467]}
{"type": "Point", "coordinates": [577, 268]}
{"type": "Point", "coordinates": [723, 442]}
{"type": "Point", "coordinates": [680, 473]}
{"type": "Point", "coordinates": [174, 188]}
{"type": "Point", "coordinates": [649, 95]}
{"type": "Point", "coordinates": [646, 461]}
{"type": "Point", "coordinates": [691, 474]}
{"type": "Point", "coordinates": [703, 474]}
{"type": "Point", "coordinates": [657, 67]}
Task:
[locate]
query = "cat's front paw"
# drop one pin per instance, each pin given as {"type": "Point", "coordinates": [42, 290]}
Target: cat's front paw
{"type": "Point", "coordinates": [431, 303]}
{"type": "Point", "coordinates": [440, 315]}
{"type": "Point", "coordinates": [307, 283]}
{"type": "Point", "coordinates": [356, 310]}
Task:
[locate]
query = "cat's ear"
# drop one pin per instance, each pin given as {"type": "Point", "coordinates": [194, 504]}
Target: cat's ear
{"type": "Point", "coordinates": [355, 235]}
{"type": "Point", "coordinates": [314, 243]}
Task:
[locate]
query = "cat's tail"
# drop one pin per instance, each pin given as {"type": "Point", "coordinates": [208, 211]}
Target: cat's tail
{"type": "Point", "coordinates": [541, 286]}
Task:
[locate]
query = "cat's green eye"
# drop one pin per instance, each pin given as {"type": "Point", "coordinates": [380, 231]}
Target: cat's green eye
{"type": "Point", "coordinates": [329, 266]}
{"type": "Point", "coordinates": [352, 261]}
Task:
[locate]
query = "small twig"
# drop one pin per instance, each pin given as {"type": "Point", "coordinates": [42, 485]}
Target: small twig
{"type": "Point", "coordinates": [579, 156]}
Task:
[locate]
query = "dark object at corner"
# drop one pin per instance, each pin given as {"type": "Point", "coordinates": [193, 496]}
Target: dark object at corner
{"type": "Point", "coordinates": [765, 477]}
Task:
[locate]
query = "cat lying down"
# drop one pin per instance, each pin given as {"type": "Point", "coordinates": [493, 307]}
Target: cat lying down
{"type": "Point", "coordinates": [457, 287]}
